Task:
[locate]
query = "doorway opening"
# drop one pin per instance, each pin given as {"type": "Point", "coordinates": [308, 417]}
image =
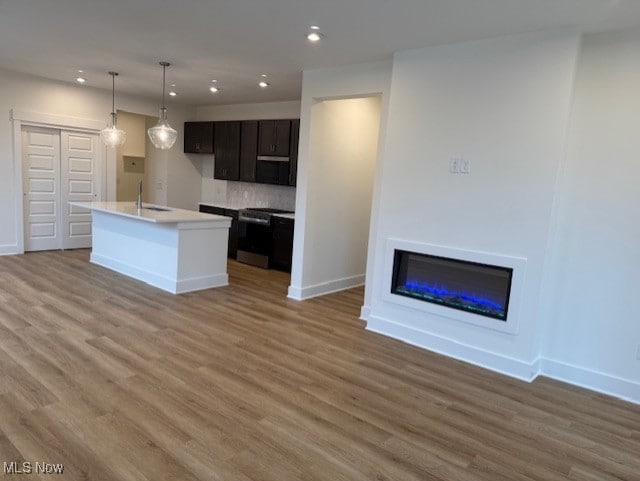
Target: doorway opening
{"type": "Point", "coordinates": [137, 161]}
{"type": "Point", "coordinates": [341, 166]}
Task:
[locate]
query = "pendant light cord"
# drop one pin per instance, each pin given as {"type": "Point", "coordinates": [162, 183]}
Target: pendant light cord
{"type": "Point", "coordinates": [164, 79]}
{"type": "Point", "coordinates": [113, 96]}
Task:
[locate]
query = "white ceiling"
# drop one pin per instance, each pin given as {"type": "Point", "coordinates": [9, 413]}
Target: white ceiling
{"type": "Point", "coordinates": [235, 41]}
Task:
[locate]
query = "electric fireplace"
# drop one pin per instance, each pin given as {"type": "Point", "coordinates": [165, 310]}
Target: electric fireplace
{"type": "Point", "coordinates": [472, 287]}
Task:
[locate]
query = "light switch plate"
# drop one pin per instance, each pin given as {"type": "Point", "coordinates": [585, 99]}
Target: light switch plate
{"type": "Point", "coordinates": [459, 165]}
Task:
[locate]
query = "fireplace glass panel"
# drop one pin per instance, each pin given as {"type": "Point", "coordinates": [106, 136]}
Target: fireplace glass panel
{"type": "Point", "coordinates": [467, 286]}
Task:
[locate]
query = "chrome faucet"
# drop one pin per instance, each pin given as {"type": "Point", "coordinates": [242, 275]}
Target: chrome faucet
{"type": "Point", "coordinates": [139, 202]}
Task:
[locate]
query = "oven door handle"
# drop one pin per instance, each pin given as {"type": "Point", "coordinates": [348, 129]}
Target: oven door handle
{"type": "Point", "coordinates": [251, 220]}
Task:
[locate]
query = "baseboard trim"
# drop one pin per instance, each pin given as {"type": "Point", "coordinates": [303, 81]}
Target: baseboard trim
{"type": "Point", "coordinates": [303, 293]}
{"type": "Point", "coordinates": [201, 283]}
{"type": "Point", "coordinates": [9, 250]}
{"type": "Point", "coordinates": [526, 371]}
{"type": "Point", "coordinates": [589, 379]}
{"type": "Point", "coordinates": [294, 293]}
{"type": "Point", "coordinates": [600, 382]}
{"type": "Point", "coordinates": [170, 285]}
{"type": "Point", "coordinates": [365, 312]}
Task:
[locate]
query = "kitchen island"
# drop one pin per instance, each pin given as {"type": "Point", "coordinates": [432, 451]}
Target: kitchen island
{"type": "Point", "coordinates": [172, 249]}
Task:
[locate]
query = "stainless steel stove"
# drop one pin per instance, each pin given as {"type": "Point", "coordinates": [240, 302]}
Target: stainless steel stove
{"type": "Point", "coordinates": [259, 215]}
{"type": "Point", "coordinates": [255, 235]}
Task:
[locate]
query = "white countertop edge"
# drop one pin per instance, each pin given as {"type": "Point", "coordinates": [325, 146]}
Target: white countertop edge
{"type": "Point", "coordinates": [173, 215]}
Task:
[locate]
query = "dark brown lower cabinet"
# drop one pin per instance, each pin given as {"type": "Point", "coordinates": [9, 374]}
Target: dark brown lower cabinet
{"type": "Point", "coordinates": [233, 233]}
{"type": "Point", "coordinates": [282, 244]}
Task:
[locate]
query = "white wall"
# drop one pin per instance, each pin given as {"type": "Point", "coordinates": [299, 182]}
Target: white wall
{"type": "Point", "coordinates": [255, 111]}
{"type": "Point", "coordinates": [503, 104]}
{"type": "Point", "coordinates": [592, 331]}
{"type": "Point", "coordinates": [34, 94]}
{"type": "Point", "coordinates": [244, 194]}
{"type": "Point", "coordinates": [310, 274]}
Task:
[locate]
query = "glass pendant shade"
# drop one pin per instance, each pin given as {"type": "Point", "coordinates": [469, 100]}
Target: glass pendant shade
{"type": "Point", "coordinates": [112, 136]}
{"type": "Point", "coordinates": [162, 135]}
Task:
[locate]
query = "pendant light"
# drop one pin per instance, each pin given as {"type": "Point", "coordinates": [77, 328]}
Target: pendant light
{"type": "Point", "coordinates": [162, 135]}
{"type": "Point", "coordinates": [112, 136]}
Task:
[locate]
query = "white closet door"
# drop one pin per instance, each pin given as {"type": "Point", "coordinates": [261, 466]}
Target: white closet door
{"type": "Point", "coordinates": [41, 188]}
{"type": "Point", "coordinates": [81, 161]}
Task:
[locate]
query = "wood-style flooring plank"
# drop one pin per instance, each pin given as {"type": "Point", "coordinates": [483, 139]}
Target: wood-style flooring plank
{"type": "Point", "coordinates": [120, 381]}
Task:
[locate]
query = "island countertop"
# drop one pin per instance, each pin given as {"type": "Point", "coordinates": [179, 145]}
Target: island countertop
{"type": "Point", "coordinates": [150, 212]}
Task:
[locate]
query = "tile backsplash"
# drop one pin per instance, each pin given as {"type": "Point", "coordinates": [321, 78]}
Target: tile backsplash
{"type": "Point", "coordinates": [244, 194]}
{"type": "Point", "coordinates": [261, 195]}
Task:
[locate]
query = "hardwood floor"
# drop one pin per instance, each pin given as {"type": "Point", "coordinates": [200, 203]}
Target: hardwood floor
{"type": "Point", "coordinates": [117, 380]}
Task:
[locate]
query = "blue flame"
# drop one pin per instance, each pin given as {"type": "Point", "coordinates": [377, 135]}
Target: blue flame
{"type": "Point", "coordinates": [443, 294]}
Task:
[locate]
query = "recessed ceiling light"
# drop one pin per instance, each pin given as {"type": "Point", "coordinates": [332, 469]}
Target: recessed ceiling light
{"type": "Point", "coordinates": [263, 84]}
{"type": "Point", "coordinates": [314, 27]}
{"type": "Point", "coordinates": [214, 89]}
{"type": "Point", "coordinates": [172, 93]}
{"type": "Point", "coordinates": [314, 36]}
{"type": "Point", "coordinates": [173, 85]}
{"type": "Point", "coordinates": [81, 80]}
{"type": "Point", "coordinates": [264, 75]}
{"type": "Point", "coordinates": [80, 71]}
{"type": "Point", "coordinates": [214, 80]}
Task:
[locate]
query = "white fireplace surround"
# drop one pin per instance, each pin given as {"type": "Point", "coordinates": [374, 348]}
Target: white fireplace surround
{"type": "Point", "coordinates": [518, 264]}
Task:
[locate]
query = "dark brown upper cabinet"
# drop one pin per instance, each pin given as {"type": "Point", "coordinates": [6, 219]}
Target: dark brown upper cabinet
{"type": "Point", "coordinates": [274, 138]}
{"type": "Point", "coordinates": [248, 150]}
{"type": "Point", "coordinates": [293, 156]}
{"type": "Point", "coordinates": [198, 137]}
{"type": "Point", "coordinates": [261, 151]}
{"type": "Point", "coordinates": [226, 150]}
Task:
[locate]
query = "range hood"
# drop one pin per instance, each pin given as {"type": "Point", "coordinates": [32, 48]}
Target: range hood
{"type": "Point", "coordinates": [273, 158]}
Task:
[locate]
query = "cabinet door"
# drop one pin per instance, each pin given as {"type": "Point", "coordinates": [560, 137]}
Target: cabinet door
{"type": "Point", "coordinates": [281, 138]}
{"type": "Point", "coordinates": [293, 156]}
{"type": "Point", "coordinates": [248, 150]}
{"type": "Point", "coordinates": [226, 150]}
{"type": "Point", "coordinates": [198, 137]}
{"type": "Point", "coordinates": [273, 137]}
{"type": "Point", "coordinates": [282, 244]}
{"type": "Point", "coordinates": [232, 250]}
{"type": "Point", "coordinates": [266, 133]}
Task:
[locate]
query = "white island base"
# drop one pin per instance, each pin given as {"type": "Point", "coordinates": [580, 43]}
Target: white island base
{"type": "Point", "coordinates": [176, 250]}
